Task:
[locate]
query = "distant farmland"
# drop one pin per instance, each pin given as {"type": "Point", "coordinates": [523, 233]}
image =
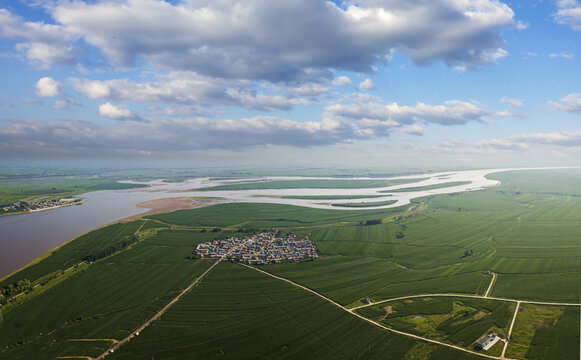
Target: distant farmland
{"type": "Point", "coordinates": [518, 243]}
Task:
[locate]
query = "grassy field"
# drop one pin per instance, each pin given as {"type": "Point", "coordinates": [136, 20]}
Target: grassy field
{"type": "Point", "coordinates": [545, 332]}
{"type": "Point", "coordinates": [333, 197]}
{"type": "Point", "coordinates": [214, 321]}
{"type": "Point", "coordinates": [106, 301]}
{"type": "Point", "coordinates": [366, 204]}
{"type": "Point", "coordinates": [525, 231]}
{"type": "Point", "coordinates": [458, 321]}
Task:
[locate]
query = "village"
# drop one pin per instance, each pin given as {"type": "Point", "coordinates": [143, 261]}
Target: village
{"type": "Point", "coordinates": [29, 206]}
{"type": "Point", "coordinates": [259, 249]}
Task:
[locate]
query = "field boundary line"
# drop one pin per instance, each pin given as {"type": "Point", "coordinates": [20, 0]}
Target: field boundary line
{"type": "Point", "coordinates": [467, 296]}
{"type": "Point", "coordinates": [158, 314]}
{"type": "Point", "coordinates": [491, 284]}
{"type": "Point", "coordinates": [510, 329]}
{"type": "Point", "coordinates": [350, 311]}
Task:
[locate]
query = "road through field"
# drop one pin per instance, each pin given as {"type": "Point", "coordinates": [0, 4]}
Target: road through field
{"type": "Point", "coordinates": [350, 311]}
{"type": "Point", "coordinates": [490, 285]}
{"type": "Point", "coordinates": [159, 313]}
{"type": "Point", "coordinates": [510, 329]}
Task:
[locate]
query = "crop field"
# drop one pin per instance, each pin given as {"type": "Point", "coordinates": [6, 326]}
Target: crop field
{"type": "Point", "coordinates": [459, 321]}
{"type": "Point", "coordinates": [545, 332]}
{"type": "Point", "coordinates": [106, 301]}
{"type": "Point", "coordinates": [213, 321]}
{"type": "Point", "coordinates": [238, 215]}
{"type": "Point", "coordinates": [524, 231]}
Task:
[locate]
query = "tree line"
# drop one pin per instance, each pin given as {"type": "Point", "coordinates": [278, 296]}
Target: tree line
{"type": "Point", "coordinates": [118, 246]}
{"type": "Point", "coordinates": [14, 289]}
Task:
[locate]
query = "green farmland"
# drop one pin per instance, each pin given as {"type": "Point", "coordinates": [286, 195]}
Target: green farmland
{"type": "Point", "coordinates": [523, 233]}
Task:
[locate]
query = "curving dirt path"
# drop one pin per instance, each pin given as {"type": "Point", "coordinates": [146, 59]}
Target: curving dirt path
{"type": "Point", "coordinates": [350, 311]}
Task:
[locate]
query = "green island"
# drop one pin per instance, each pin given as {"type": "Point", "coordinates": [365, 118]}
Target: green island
{"type": "Point", "coordinates": [422, 281]}
{"type": "Point", "coordinates": [311, 183]}
{"type": "Point", "coordinates": [428, 187]}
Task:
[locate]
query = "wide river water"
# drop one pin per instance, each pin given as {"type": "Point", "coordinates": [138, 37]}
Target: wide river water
{"type": "Point", "coordinates": [25, 237]}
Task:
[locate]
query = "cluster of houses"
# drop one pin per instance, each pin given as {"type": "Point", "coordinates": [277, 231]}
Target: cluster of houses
{"type": "Point", "coordinates": [23, 206]}
{"type": "Point", "coordinates": [259, 249]}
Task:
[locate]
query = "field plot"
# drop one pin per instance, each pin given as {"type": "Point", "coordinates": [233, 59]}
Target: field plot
{"type": "Point", "coordinates": [237, 313]}
{"type": "Point", "coordinates": [106, 301]}
{"type": "Point", "coordinates": [238, 215]}
{"type": "Point", "coordinates": [459, 321]}
{"type": "Point", "coordinates": [545, 332]}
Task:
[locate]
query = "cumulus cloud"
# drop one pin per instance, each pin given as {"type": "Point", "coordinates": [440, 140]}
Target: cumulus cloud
{"type": "Point", "coordinates": [512, 102]}
{"type": "Point", "coordinates": [42, 44]}
{"type": "Point", "coordinates": [413, 130]}
{"type": "Point", "coordinates": [81, 137]}
{"type": "Point", "coordinates": [453, 112]}
{"type": "Point", "coordinates": [48, 87]}
{"type": "Point", "coordinates": [571, 103]}
{"type": "Point", "coordinates": [569, 13]}
{"type": "Point", "coordinates": [366, 84]}
{"type": "Point", "coordinates": [188, 88]}
{"type": "Point", "coordinates": [280, 40]}
{"type": "Point", "coordinates": [120, 112]}
{"type": "Point", "coordinates": [341, 81]}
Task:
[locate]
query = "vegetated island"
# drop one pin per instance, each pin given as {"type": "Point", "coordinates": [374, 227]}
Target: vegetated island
{"type": "Point", "coordinates": [23, 207]}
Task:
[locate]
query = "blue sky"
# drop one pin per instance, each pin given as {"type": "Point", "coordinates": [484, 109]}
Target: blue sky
{"type": "Point", "coordinates": [308, 82]}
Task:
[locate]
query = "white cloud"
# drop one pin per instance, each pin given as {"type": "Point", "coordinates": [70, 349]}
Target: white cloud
{"type": "Point", "coordinates": [571, 103]}
{"type": "Point", "coordinates": [48, 87]}
{"type": "Point", "coordinates": [120, 112]}
{"type": "Point", "coordinates": [453, 112]}
{"type": "Point", "coordinates": [563, 55]}
{"type": "Point", "coordinates": [512, 102]}
{"type": "Point", "coordinates": [413, 130]}
{"type": "Point", "coordinates": [42, 44]}
{"type": "Point", "coordinates": [341, 81]}
{"type": "Point", "coordinates": [522, 26]}
{"type": "Point", "coordinates": [187, 88]}
{"type": "Point", "coordinates": [569, 13]}
{"type": "Point", "coordinates": [366, 85]}
{"type": "Point", "coordinates": [280, 40]}
{"type": "Point", "coordinates": [525, 141]}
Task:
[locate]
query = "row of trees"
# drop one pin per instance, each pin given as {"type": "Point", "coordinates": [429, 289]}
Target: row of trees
{"type": "Point", "coordinates": [118, 246]}
{"type": "Point", "coordinates": [14, 289]}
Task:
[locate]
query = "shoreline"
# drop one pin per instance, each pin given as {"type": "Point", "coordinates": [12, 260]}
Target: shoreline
{"type": "Point", "coordinates": [156, 206]}
{"type": "Point", "coordinates": [44, 209]}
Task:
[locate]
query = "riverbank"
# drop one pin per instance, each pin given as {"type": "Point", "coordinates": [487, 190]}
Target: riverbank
{"type": "Point", "coordinates": [60, 204]}
{"type": "Point", "coordinates": [170, 204]}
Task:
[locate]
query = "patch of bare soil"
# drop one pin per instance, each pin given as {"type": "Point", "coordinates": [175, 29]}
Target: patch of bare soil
{"type": "Point", "coordinates": [168, 205]}
{"type": "Point", "coordinates": [389, 310]}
